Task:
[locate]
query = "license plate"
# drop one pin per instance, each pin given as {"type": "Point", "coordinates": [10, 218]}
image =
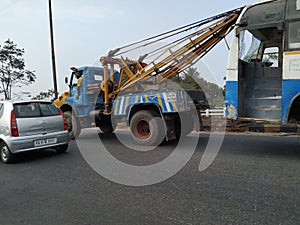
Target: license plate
{"type": "Point", "coordinates": [45, 142]}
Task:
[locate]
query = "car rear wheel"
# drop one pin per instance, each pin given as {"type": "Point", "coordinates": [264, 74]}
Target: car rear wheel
{"type": "Point", "coordinates": [62, 148]}
{"type": "Point", "coordinates": [6, 155]}
{"type": "Point", "coordinates": [73, 125]}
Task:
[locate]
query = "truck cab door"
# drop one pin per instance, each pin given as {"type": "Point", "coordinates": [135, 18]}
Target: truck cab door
{"type": "Point", "coordinates": [75, 96]}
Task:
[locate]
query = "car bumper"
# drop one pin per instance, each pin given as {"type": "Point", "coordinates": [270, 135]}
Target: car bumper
{"type": "Point", "coordinates": [27, 143]}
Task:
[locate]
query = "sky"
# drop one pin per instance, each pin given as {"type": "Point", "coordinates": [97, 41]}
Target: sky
{"type": "Point", "coordinates": [85, 30]}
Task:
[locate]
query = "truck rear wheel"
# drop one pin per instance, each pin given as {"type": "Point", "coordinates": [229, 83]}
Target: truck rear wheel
{"type": "Point", "coordinates": [73, 125]}
{"type": "Point", "coordinates": [184, 125]}
{"type": "Point", "coordinates": [147, 128]}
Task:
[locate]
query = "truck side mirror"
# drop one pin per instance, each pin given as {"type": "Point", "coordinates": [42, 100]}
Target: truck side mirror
{"type": "Point", "coordinates": [66, 80]}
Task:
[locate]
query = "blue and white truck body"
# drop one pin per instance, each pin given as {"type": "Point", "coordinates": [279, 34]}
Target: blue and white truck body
{"type": "Point", "coordinates": [84, 106]}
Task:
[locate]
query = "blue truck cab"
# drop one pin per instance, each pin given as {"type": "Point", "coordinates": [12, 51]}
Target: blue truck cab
{"type": "Point", "coordinates": [88, 96]}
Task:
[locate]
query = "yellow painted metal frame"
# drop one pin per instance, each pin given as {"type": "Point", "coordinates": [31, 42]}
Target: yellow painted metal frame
{"type": "Point", "coordinates": [170, 62]}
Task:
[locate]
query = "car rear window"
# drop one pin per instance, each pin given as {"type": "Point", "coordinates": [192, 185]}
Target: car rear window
{"type": "Point", "coordinates": [49, 109]}
{"type": "Point", "coordinates": [35, 109]}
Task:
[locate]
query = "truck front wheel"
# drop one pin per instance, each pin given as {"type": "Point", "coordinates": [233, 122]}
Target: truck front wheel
{"type": "Point", "coordinates": [73, 125]}
{"type": "Point", "coordinates": [147, 128]}
{"type": "Point", "coordinates": [105, 124]}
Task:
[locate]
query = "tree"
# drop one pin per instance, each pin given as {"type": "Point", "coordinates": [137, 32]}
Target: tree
{"type": "Point", "coordinates": [50, 94]}
{"type": "Point", "coordinates": [188, 81]}
{"type": "Point", "coordinates": [191, 79]}
{"type": "Point", "coordinates": [12, 69]}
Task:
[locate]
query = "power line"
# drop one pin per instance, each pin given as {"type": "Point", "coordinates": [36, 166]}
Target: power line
{"type": "Point", "coordinates": [156, 38]}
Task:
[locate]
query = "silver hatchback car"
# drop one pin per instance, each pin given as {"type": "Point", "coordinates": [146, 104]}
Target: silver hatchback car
{"type": "Point", "coordinates": [31, 125]}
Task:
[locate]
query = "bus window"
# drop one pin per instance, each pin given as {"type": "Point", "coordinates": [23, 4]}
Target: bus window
{"type": "Point", "coordinates": [294, 35]}
{"type": "Point", "coordinates": [270, 56]}
{"type": "Point", "coordinates": [293, 11]}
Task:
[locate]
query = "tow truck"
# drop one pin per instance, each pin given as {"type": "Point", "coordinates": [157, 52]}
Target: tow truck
{"type": "Point", "coordinates": [133, 90]}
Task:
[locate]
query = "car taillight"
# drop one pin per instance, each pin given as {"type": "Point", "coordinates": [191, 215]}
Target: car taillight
{"type": "Point", "coordinates": [64, 119]}
{"type": "Point", "coordinates": [13, 124]}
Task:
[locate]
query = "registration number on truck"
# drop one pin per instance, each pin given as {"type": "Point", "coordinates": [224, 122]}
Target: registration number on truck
{"type": "Point", "coordinates": [171, 97]}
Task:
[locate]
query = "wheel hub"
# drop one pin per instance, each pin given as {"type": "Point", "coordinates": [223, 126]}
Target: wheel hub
{"type": "Point", "coordinates": [143, 129]}
{"type": "Point", "coordinates": [4, 153]}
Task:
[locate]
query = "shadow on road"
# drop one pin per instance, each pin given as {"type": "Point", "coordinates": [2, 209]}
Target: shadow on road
{"type": "Point", "coordinates": [39, 155]}
{"type": "Point", "coordinates": [262, 145]}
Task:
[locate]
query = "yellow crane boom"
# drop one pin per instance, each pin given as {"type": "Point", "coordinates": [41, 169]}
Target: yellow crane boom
{"type": "Point", "coordinates": [172, 59]}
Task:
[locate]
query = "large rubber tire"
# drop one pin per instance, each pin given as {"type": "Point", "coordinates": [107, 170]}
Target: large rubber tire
{"type": "Point", "coordinates": [62, 148]}
{"type": "Point", "coordinates": [73, 125]}
{"type": "Point", "coordinates": [105, 124]}
{"type": "Point", "coordinates": [6, 155]}
{"type": "Point", "coordinates": [184, 125]}
{"type": "Point", "coordinates": [147, 128]}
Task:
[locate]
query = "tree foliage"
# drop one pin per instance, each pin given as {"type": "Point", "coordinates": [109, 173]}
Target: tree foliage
{"type": "Point", "coordinates": [191, 79]}
{"type": "Point", "coordinates": [50, 94]}
{"type": "Point", "coordinates": [12, 69]}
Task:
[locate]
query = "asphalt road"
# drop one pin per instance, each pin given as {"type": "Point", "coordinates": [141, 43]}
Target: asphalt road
{"type": "Point", "coordinates": [253, 180]}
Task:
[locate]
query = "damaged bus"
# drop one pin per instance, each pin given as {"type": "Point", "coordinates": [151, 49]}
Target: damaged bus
{"type": "Point", "coordinates": [263, 72]}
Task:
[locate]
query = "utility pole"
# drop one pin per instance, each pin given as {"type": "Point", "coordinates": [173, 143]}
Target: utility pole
{"type": "Point", "coordinates": [52, 51]}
